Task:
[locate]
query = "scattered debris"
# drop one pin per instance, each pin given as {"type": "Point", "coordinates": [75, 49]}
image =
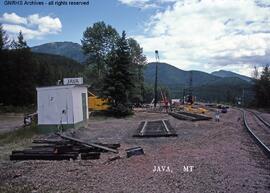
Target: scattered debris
{"type": "Point", "coordinates": [189, 116]}
{"type": "Point", "coordinates": [86, 144]}
{"type": "Point", "coordinates": [158, 128]}
{"type": "Point", "coordinates": [114, 158]}
{"type": "Point", "coordinates": [111, 159]}
{"type": "Point", "coordinates": [134, 151]}
{"type": "Point", "coordinates": [17, 175]}
{"type": "Point", "coordinates": [62, 149]}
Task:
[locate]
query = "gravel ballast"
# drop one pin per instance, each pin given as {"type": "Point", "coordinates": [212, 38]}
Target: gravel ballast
{"type": "Point", "coordinates": [222, 155]}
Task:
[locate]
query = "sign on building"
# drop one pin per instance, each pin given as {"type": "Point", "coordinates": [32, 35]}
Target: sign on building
{"type": "Point", "coordinates": [72, 81]}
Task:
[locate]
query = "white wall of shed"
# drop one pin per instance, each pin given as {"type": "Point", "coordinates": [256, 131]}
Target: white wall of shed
{"type": "Point", "coordinates": [51, 103]}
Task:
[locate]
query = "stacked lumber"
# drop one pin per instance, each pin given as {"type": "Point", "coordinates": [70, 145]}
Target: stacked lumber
{"type": "Point", "coordinates": [62, 149]}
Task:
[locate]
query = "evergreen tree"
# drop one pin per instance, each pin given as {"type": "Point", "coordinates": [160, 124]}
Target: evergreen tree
{"type": "Point", "coordinates": [118, 80]}
{"type": "Point", "coordinates": [3, 38]}
{"type": "Point", "coordinates": [262, 88]}
{"type": "Point", "coordinates": [22, 71]}
{"type": "Point", "coordinates": [20, 43]}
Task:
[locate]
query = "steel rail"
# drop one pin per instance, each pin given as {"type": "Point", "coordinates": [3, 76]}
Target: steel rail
{"type": "Point", "coordinates": [261, 119]}
{"type": "Point", "coordinates": [267, 149]}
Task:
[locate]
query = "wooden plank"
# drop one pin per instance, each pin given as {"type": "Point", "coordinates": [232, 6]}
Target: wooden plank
{"type": "Point", "coordinates": [87, 144]}
{"type": "Point", "coordinates": [51, 141]}
{"type": "Point", "coordinates": [91, 155]}
{"type": "Point", "coordinates": [48, 156]}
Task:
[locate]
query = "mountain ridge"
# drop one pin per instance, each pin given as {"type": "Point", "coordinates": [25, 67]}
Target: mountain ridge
{"type": "Point", "coordinates": [68, 49]}
{"type": "Point", "coordinates": [205, 86]}
{"type": "Point", "coordinates": [225, 73]}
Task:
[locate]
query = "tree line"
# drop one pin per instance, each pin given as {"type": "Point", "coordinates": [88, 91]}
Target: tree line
{"type": "Point", "coordinates": [22, 71]}
{"type": "Point", "coordinates": [113, 69]}
{"type": "Point", "coordinates": [262, 87]}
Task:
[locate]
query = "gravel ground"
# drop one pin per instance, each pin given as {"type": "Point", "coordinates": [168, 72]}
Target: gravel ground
{"type": "Point", "coordinates": [266, 117]}
{"type": "Point", "coordinates": [223, 155]}
{"type": "Point", "coordinates": [263, 114]}
{"type": "Point", "coordinates": [259, 128]}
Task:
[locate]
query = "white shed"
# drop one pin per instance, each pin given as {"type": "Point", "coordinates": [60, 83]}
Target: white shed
{"type": "Point", "coordinates": [64, 104]}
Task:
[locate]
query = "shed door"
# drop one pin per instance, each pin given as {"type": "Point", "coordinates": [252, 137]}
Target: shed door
{"type": "Point", "coordinates": [84, 108]}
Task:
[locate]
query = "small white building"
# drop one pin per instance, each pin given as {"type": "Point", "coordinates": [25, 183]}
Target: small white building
{"type": "Point", "coordinates": [63, 104]}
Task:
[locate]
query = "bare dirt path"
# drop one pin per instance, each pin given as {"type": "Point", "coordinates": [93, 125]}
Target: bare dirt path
{"type": "Point", "coordinates": [223, 156]}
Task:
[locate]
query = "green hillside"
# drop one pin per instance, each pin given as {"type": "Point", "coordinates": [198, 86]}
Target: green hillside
{"type": "Point", "coordinates": [206, 87]}
{"type": "Point", "coordinates": [67, 49]}
{"type": "Point", "coordinates": [170, 75]}
{"type": "Point", "coordinates": [224, 74]}
{"type": "Point", "coordinates": [23, 71]}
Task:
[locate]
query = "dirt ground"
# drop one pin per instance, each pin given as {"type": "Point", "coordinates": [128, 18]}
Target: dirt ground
{"type": "Point", "coordinates": [222, 155]}
{"type": "Point", "coordinates": [10, 122]}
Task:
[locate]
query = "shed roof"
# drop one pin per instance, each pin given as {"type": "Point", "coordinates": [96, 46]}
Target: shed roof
{"type": "Point", "coordinates": [61, 87]}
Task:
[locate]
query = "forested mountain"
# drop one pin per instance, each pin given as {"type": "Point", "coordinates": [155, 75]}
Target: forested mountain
{"type": "Point", "coordinates": [170, 75]}
{"type": "Point", "coordinates": [54, 68]}
{"type": "Point", "coordinates": [67, 49]}
{"type": "Point", "coordinates": [224, 73]}
{"type": "Point", "coordinates": [205, 87]}
{"type": "Point", "coordinates": [23, 71]}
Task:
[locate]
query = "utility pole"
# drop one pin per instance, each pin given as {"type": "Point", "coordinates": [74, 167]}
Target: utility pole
{"type": "Point", "coordinates": [243, 97]}
{"type": "Point", "coordinates": [190, 83]}
{"type": "Point", "coordinates": [156, 78]}
{"type": "Point", "coordinates": [184, 94]}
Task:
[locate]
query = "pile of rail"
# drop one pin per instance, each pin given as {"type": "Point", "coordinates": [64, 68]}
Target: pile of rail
{"type": "Point", "coordinates": [189, 116]}
{"type": "Point", "coordinates": [63, 148]}
{"type": "Point", "coordinates": [156, 128]}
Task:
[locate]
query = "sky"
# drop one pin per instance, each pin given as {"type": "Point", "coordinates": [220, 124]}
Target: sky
{"type": "Point", "coordinates": [206, 35]}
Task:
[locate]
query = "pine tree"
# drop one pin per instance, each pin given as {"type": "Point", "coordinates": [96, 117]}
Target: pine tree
{"type": "Point", "coordinates": [262, 88]}
{"type": "Point", "coordinates": [3, 38]}
{"type": "Point", "coordinates": [21, 43]}
{"type": "Point", "coordinates": [118, 80]}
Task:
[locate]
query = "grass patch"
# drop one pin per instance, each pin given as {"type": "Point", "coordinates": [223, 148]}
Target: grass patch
{"type": "Point", "coordinates": [19, 134]}
{"type": "Point", "coordinates": [16, 140]}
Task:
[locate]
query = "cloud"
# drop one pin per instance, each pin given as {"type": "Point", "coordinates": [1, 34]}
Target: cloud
{"type": "Point", "coordinates": [45, 24]}
{"type": "Point", "coordinates": [210, 34]}
{"type": "Point", "coordinates": [33, 26]}
{"type": "Point", "coordinates": [13, 18]}
{"type": "Point", "coordinates": [146, 4]}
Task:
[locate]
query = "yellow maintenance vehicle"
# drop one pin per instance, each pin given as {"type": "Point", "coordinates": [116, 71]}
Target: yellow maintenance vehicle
{"type": "Point", "coordinates": [191, 107]}
{"type": "Point", "coordinates": [197, 110]}
{"type": "Point", "coordinates": [96, 104]}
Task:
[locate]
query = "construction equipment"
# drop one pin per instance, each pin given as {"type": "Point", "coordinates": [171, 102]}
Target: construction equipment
{"type": "Point", "coordinates": [97, 104]}
{"type": "Point", "coordinates": [192, 109]}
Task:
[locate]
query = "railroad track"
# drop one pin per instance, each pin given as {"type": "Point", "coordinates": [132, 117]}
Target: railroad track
{"type": "Point", "coordinates": [158, 128]}
{"type": "Point", "coordinates": [258, 128]}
